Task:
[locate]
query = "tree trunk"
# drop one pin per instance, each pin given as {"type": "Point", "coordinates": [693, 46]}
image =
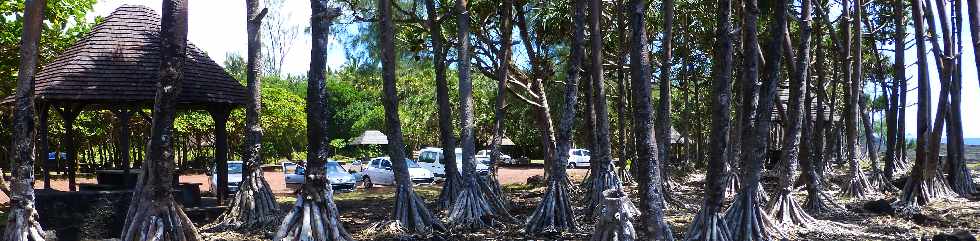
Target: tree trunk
{"type": "Point", "coordinates": [858, 185]}
{"type": "Point", "coordinates": [604, 176]}
{"type": "Point", "coordinates": [254, 205]}
{"type": "Point", "coordinates": [470, 210]}
{"type": "Point", "coordinates": [745, 217]}
{"type": "Point", "coordinates": [447, 139]}
{"type": "Point", "coordinates": [153, 213]}
{"type": "Point", "coordinates": [22, 218]}
{"type": "Point", "coordinates": [410, 212]}
{"type": "Point", "coordinates": [648, 162]}
{"type": "Point", "coordinates": [554, 213]}
{"type": "Point", "coordinates": [506, 30]}
{"type": "Point", "coordinates": [709, 225]}
{"type": "Point", "coordinates": [893, 155]}
{"type": "Point", "coordinates": [314, 216]}
{"type": "Point", "coordinates": [784, 208]}
{"type": "Point", "coordinates": [624, 156]}
{"type": "Point", "coordinates": [615, 223]}
{"type": "Point", "coordinates": [663, 108]}
{"type": "Point", "coordinates": [959, 178]}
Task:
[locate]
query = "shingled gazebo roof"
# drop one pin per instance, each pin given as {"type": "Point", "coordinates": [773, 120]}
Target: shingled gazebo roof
{"type": "Point", "coordinates": [118, 62]}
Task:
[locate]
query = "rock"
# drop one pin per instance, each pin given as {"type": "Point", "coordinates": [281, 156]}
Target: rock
{"type": "Point", "coordinates": [958, 235]}
{"type": "Point", "coordinates": [535, 181]}
{"type": "Point", "coordinates": [880, 206]}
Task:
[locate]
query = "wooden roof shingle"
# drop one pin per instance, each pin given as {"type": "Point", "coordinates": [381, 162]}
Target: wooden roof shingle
{"type": "Point", "coordinates": [119, 60]}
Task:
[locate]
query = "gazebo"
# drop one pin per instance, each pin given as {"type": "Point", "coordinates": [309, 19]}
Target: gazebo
{"type": "Point", "coordinates": [115, 67]}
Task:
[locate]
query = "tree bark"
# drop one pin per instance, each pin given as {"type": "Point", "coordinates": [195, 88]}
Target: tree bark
{"type": "Point", "coordinates": [648, 162]}
{"type": "Point", "coordinates": [783, 208]}
{"type": "Point", "coordinates": [153, 213]}
{"type": "Point", "coordinates": [745, 217]}
{"type": "Point", "coordinates": [709, 225]}
{"type": "Point", "coordinates": [314, 216]}
{"type": "Point", "coordinates": [470, 210]}
{"type": "Point", "coordinates": [604, 176]}
{"type": "Point", "coordinates": [663, 108]}
{"type": "Point", "coordinates": [22, 218]}
{"type": "Point", "coordinates": [893, 155]}
{"type": "Point", "coordinates": [254, 205]}
{"type": "Point", "coordinates": [554, 213]}
{"type": "Point", "coordinates": [447, 139]}
{"type": "Point", "coordinates": [410, 212]}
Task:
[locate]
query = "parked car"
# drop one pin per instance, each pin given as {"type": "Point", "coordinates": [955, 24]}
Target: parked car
{"type": "Point", "coordinates": [504, 158]}
{"type": "Point", "coordinates": [579, 158]}
{"type": "Point", "coordinates": [430, 158]}
{"type": "Point", "coordinates": [235, 169]}
{"type": "Point", "coordinates": [379, 171]}
{"type": "Point", "coordinates": [340, 179]}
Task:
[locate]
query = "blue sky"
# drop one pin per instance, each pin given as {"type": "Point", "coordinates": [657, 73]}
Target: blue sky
{"type": "Point", "coordinates": [218, 27]}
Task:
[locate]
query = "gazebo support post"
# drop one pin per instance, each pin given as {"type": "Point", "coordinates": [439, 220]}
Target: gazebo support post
{"type": "Point", "coordinates": [42, 144]}
{"type": "Point", "coordinates": [123, 116]}
{"type": "Point", "coordinates": [220, 116]}
{"type": "Point", "coordinates": [68, 114]}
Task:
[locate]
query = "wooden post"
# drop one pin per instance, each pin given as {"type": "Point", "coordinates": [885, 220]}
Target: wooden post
{"type": "Point", "coordinates": [123, 116]}
{"type": "Point", "coordinates": [42, 145]}
{"type": "Point", "coordinates": [220, 116]}
{"type": "Point", "coordinates": [68, 114]}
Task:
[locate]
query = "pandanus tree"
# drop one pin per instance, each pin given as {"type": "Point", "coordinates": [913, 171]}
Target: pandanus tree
{"type": "Point", "coordinates": [783, 207]}
{"type": "Point", "coordinates": [923, 183]}
{"type": "Point", "coordinates": [554, 213]}
{"type": "Point", "coordinates": [153, 214]}
{"type": "Point", "coordinates": [503, 73]}
{"type": "Point", "coordinates": [745, 217]}
{"type": "Point", "coordinates": [604, 176]}
{"type": "Point", "coordinates": [709, 225]}
{"type": "Point", "coordinates": [314, 216]}
{"type": "Point", "coordinates": [858, 186]}
{"type": "Point", "coordinates": [253, 205]}
{"type": "Point", "coordinates": [471, 208]}
{"type": "Point", "coordinates": [663, 108]}
{"type": "Point", "coordinates": [410, 212]}
{"type": "Point", "coordinates": [22, 218]}
{"type": "Point", "coordinates": [648, 163]}
{"type": "Point", "coordinates": [446, 137]}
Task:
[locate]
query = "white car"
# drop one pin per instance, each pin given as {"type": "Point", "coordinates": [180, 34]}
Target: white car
{"type": "Point", "coordinates": [579, 158]}
{"type": "Point", "coordinates": [340, 179]}
{"type": "Point", "coordinates": [430, 158]}
{"type": "Point", "coordinates": [235, 169]}
{"type": "Point", "coordinates": [504, 158]}
{"type": "Point", "coordinates": [379, 171]}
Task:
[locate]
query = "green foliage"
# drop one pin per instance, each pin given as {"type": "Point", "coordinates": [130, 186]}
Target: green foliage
{"type": "Point", "coordinates": [64, 23]}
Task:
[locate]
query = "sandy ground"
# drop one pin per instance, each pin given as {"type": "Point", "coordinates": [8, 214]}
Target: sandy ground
{"type": "Point", "coordinates": [507, 175]}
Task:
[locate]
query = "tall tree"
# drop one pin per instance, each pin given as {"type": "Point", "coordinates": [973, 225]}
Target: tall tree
{"type": "Point", "coordinates": [554, 213]}
{"type": "Point", "coordinates": [410, 211]}
{"type": "Point", "coordinates": [858, 186]}
{"type": "Point", "coordinates": [503, 73]}
{"type": "Point", "coordinates": [315, 216]}
{"type": "Point", "coordinates": [960, 177]}
{"type": "Point", "coordinates": [709, 225]}
{"type": "Point", "coordinates": [253, 205]}
{"type": "Point", "coordinates": [920, 188]}
{"type": "Point", "coordinates": [22, 223]}
{"type": "Point", "coordinates": [624, 157]}
{"type": "Point", "coordinates": [648, 162]}
{"type": "Point", "coordinates": [446, 137]}
{"type": "Point", "coordinates": [604, 176]}
{"type": "Point", "coordinates": [153, 213]}
{"type": "Point", "coordinates": [663, 108]}
{"type": "Point", "coordinates": [783, 207]}
{"type": "Point", "coordinates": [894, 146]}
{"type": "Point", "coordinates": [745, 217]}
{"type": "Point", "coordinates": [471, 209]}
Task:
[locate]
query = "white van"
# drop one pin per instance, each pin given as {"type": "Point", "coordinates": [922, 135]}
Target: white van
{"type": "Point", "coordinates": [430, 158]}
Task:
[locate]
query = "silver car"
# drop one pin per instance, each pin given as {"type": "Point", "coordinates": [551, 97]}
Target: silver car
{"type": "Point", "coordinates": [235, 169]}
{"type": "Point", "coordinates": [340, 179]}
